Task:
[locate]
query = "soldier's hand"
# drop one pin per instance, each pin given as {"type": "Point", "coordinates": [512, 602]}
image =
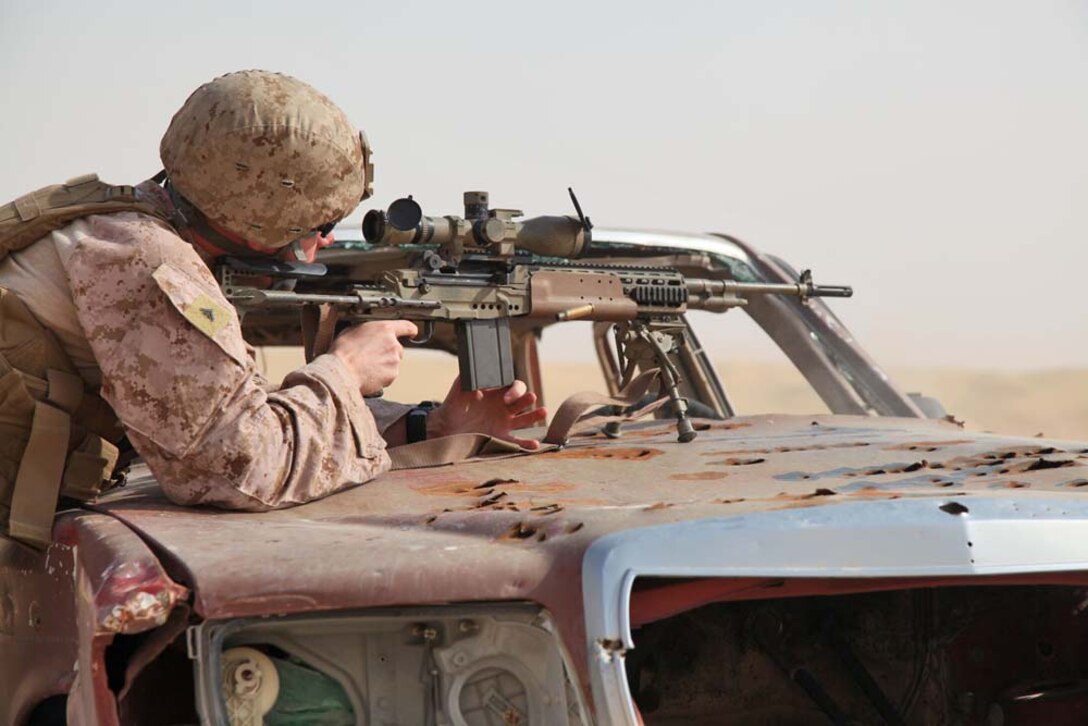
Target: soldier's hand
{"type": "Point", "coordinates": [372, 352]}
{"type": "Point", "coordinates": [497, 412]}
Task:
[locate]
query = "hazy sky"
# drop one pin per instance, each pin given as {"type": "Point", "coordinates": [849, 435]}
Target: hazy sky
{"type": "Point", "coordinates": [931, 154]}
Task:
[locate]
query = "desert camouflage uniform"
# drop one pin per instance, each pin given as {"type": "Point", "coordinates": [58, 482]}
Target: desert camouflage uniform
{"type": "Point", "coordinates": [141, 317]}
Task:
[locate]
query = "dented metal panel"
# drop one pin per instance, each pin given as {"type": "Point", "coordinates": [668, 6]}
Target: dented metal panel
{"type": "Point", "coordinates": [62, 609]}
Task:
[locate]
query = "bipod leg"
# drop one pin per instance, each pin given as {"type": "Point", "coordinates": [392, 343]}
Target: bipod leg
{"type": "Point", "coordinates": [612, 428]}
{"type": "Point", "coordinates": [670, 381]}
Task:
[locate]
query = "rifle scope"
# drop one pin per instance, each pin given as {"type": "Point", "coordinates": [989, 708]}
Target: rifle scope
{"type": "Point", "coordinates": [495, 230]}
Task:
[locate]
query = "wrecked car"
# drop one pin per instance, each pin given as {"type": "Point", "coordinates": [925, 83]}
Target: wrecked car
{"type": "Point", "coordinates": [874, 564]}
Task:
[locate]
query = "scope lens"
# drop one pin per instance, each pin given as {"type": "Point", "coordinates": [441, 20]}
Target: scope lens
{"type": "Point", "coordinates": [405, 214]}
{"type": "Point", "coordinates": [373, 225]}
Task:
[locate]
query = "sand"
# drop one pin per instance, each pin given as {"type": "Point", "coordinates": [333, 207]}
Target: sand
{"type": "Point", "coordinates": [1049, 402]}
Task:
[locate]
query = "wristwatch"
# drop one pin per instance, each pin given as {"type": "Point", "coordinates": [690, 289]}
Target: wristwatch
{"type": "Point", "coordinates": [416, 421]}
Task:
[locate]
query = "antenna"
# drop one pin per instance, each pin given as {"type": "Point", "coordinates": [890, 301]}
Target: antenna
{"type": "Point", "coordinates": [586, 223]}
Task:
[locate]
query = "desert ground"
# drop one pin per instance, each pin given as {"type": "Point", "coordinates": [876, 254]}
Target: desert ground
{"type": "Point", "coordinates": [1049, 402]}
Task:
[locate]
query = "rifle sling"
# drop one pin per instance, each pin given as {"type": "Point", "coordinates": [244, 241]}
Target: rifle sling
{"type": "Point", "coordinates": [318, 329]}
{"type": "Point", "coordinates": [567, 421]}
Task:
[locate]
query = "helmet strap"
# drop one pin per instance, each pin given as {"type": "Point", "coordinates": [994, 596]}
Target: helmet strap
{"type": "Point", "coordinates": [186, 216]}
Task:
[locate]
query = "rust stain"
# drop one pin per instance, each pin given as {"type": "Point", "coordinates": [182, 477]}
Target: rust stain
{"type": "Point", "coordinates": [657, 506]}
{"type": "Point", "coordinates": [699, 475]}
{"type": "Point", "coordinates": [491, 486]}
{"type": "Point", "coordinates": [730, 501]}
{"type": "Point", "coordinates": [490, 499]}
{"type": "Point", "coordinates": [1040, 464]}
{"type": "Point", "coordinates": [890, 469]}
{"type": "Point", "coordinates": [927, 445]}
{"type": "Point", "coordinates": [495, 482]}
{"type": "Point", "coordinates": [803, 501]}
{"type": "Point", "coordinates": [574, 527]}
{"type": "Point", "coordinates": [819, 493]}
{"type": "Point", "coordinates": [738, 461]}
{"type": "Point", "coordinates": [648, 433]}
{"type": "Point", "coordinates": [582, 502]}
{"type": "Point", "coordinates": [545, 487]}
{"type": "Point", "coordinates": [631, 453]}
{"type": "Point", "coordinates": [519, 531]}
{"type": "Point", "coordinates": [140, 610]}
{"type": "Point", "coordinates": [786, 449]}
{"type": "Point", "coordinates": [457, 486]}
{"type": "Point", "coordinates": [1016, 460]}
{"type": "Point", "coordinates": [719, 426]}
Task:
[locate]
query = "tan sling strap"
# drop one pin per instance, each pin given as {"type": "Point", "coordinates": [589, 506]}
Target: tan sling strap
{"type": "Point", "coordinates": [571, 410]}
{"type": "Point", "coordinates": [34, 215]}
{"type": "Point", "coordinates": [567, 420]}
{"type": "Point", "coordinates": [318, 330]}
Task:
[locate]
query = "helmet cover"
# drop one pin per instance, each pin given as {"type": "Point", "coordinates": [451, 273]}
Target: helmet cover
{"type": "Point", "coordinates": [266, 156]}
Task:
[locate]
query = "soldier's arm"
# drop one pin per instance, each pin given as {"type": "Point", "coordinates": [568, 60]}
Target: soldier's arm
{"type": "Point", "coordinates": [177, 372]}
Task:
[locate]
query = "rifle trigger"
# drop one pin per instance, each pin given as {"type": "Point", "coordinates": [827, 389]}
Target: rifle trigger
{"type": "Point", "coordinates": [425, 335]}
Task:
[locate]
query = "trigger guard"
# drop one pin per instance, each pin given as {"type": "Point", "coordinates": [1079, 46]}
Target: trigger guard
{"type": "Point", "coordinates": [426, 334]}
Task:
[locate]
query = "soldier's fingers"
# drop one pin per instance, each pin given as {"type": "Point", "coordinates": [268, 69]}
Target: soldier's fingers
{"type": "Point", "coordinates": [529, 418]}
{"type": "Point", "coordinates": [531, 444]}
{"type": "Point", "coordinates": [515, 391]}
{"type": "Point", "coordinates": [403, 328]}
{"type": "Point", "coordinates": [525, 401]}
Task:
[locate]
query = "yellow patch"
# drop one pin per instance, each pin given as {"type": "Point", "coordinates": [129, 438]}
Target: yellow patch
{"type": "Point", "coordinates": [207, 315]}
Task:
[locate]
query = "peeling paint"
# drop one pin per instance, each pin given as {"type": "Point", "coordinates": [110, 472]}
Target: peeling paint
{"type": "Point", "coordinates": [140, 611]}
{"type": "Point", "coordinates": [608, 649]}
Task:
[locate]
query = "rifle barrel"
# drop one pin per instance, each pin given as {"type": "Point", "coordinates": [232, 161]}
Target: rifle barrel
{"type": "Point", "coordinates": [794, 289]}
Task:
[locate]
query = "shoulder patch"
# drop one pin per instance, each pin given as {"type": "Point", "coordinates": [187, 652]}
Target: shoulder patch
{"type": "Point", "coordinates": [208, 313]}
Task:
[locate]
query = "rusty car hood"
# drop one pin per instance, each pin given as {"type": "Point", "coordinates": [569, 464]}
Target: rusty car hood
{"type": "Point", "coordinates": [517, 528]}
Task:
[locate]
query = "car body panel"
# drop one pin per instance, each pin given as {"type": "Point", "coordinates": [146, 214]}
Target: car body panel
{"type": "Point", "coordinates": [520, 528]}
{"type": "Point", "coordinates": [63, 607]}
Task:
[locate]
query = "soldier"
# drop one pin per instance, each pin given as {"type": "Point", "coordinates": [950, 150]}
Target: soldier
{"type": "Point", "coordinates": [113, 326]}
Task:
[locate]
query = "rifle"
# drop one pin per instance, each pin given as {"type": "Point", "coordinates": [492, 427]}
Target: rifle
{"type": "Point", "coordinates": [487, 268]}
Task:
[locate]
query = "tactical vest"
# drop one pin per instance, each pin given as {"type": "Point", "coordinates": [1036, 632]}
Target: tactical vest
{"type": "Point", "coordinates": [56, 438]}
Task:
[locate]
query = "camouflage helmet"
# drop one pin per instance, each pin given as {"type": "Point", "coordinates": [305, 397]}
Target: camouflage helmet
{"type": "Point", "coordinates": [266, 156]}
